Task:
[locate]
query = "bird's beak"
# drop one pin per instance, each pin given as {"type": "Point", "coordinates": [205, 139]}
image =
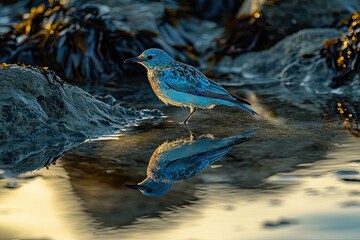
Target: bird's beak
{"type": "Point", "coordinates": [133, 59]}
{"type": "Point", "coordinates": [132, 186]}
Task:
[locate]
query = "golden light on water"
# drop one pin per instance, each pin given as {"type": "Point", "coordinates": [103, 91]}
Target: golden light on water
{"type": "Point", "coordinates": [41, 208]}
{"type": "Point", "coordinates": [47, 207]}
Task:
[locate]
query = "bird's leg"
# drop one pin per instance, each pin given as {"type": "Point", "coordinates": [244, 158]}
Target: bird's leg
{"type": "Point", "coordinates": [192, 111]}
{"type": "Point", "coordinates": [192, 134]}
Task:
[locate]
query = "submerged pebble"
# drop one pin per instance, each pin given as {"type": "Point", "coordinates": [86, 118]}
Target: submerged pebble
{"type": "Point", "coordinates": [12, 184]}
{"type": "Point", "coordinates": [348, 175]}
{"type": "Point", "coordinates": [279, 223]}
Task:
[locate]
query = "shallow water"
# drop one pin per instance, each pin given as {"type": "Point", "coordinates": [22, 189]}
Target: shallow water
{"type": "Point", "coordinates": [297, 178]}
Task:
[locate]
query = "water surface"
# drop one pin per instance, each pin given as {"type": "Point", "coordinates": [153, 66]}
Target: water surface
{"type": "Point", "coordinates": [297, 178]}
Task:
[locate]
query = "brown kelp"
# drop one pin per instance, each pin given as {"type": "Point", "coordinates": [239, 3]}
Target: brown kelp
{"type": "Point", "coordinates": [342, 54]}
{"type": "Point", "coordinates": [81, 44]}
{"type": "Point", "coordinates": [87, 43]}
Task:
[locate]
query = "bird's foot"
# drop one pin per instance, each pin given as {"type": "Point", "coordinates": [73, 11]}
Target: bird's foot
{"type": "Point", "coordinates": [192, 134]}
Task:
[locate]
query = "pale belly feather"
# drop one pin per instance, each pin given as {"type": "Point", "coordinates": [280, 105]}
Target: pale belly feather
{"type": "Point", "coordinates": [180, 99]}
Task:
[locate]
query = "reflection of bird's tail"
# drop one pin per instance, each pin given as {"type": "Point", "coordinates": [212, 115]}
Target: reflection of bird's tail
{"type": "Point", "coordinates": [244, 137]}
{"type": "Point", "coordinates": [235, 140]}
{"type": "Point", "coordinates": [248, 134]}
{"type": "Point", "coordinates": [246, 108]}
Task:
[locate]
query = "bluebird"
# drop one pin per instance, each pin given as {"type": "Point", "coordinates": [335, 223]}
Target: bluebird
{"type": "Point", "coordinates": [180, 160]}
{"type": "Point", "coordinates": [182, 85]}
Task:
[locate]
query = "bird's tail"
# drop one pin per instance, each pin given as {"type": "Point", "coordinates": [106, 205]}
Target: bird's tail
{"type": "Point", "coordinates": [246, 108]}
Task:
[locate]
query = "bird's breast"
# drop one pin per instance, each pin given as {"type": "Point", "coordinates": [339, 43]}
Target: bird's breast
{"type": "Point", "coordinates": [159, 87]}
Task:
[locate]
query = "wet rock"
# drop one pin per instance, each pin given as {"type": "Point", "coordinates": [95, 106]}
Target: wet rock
{"type": "Point", "coordinates": [294, 71]}
{"type": "Point", "coordinates": [294, 61]}
{"type": "Point", "coordinates": [265, 23]}
{"type": "Point", "coordinates": [108, 99]}
{"type": "Point", "coordinates": [342, 53]}
{"type": "Point", "coordinates": [36, 105]}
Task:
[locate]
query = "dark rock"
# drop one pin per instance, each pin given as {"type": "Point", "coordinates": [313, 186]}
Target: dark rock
{"type": "Point", "coordinates": [214, 10]}
{"type": "Point", "coordinates": [108, 99]}
{"type": "Point", "coordinates": [260, 26]}
{"type": "Point", "coordinates": [284, 62]}
{"type": "Point", "coordinates": [35, 104]}
{"type": "Point", "coordinates": [287, 71]}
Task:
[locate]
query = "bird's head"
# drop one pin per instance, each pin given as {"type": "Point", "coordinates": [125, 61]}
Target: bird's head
{"type": "Point", "coordinates": [151, 58]}
{"type": "Point", "coordinates": [151, 187]}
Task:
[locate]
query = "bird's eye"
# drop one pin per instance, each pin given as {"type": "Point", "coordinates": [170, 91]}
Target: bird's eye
{"type": "Point", "coordinates": [149, 190]}
{"type": "Point", "coordinates": [149, 57]}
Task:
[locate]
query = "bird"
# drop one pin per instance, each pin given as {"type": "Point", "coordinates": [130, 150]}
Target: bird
{"type": "Point", "coordinates": [179, 160]}
{"type": "Point", "coordinates": [182, 85]}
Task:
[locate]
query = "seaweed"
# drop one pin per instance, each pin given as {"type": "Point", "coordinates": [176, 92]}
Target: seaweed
{"type": "Point", "coordinates": [81, 44]}
{"type": "Point", "coordinates": [342, 54]}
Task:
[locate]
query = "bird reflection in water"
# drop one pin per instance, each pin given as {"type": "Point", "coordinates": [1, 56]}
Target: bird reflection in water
{"type": "Point", "coordinates": [179, 160]}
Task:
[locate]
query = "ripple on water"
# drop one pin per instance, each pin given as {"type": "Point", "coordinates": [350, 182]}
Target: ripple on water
{"type": "Point", "coordinates": [351, 203]}
{"type": "Point", "coordinates": [348, 175]}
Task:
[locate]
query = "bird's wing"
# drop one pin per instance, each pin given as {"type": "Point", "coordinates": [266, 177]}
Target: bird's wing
{"type": "Point", "coordinates": [187, 79]}
{"type": "Point", "coordinates": [185, 168]}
